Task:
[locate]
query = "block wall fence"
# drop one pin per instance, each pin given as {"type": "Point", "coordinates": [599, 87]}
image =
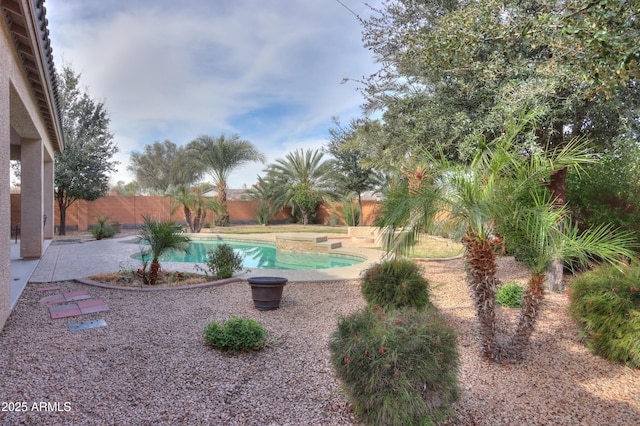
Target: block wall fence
{"type": "Point", "coordinates": [129, 211]}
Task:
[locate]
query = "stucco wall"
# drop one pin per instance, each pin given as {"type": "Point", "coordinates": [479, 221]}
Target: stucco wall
{"type": "Point", "coordinates": [129, 211]}
{"type": "Point", "coordinates": [5, 136]}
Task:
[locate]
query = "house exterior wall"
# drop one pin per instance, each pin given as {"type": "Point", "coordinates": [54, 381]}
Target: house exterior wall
{"type": "Point", "coordinates": [6, 51]}
{"type": "Point", "coordinates": [28, 122]}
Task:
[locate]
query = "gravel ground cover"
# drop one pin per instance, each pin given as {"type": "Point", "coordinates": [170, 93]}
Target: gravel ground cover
{"type": "Point", "coordinates": [150, 365]}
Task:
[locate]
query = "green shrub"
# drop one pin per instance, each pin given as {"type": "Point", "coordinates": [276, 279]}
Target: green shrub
{"type": "Point", "coordinates": [223, 261]}
{"type": "Point", "coordinates": [605, 303]}
{"type": "Point", "coordinates": [102, 231]}
{"type": "Point", "coordinates": [395, 283]}
{"type": "Point", "coordinates": [510, 295]}
{"type": "Point", "coordinates": [398, 367]}
{"type": "Point", "coordinates": [235, 335]}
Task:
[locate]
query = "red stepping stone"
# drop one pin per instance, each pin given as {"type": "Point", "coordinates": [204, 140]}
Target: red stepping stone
{"type": "Point", "coordinates": [73, 296]}
{"type": "Point", "coordinates": [92, 306]}
{"type": "Point", "coordinates": [64, 311]}
{"type": "Point", "coordinates": [42, 289]}
{"type": "Point", "coordinates": [53, 299]}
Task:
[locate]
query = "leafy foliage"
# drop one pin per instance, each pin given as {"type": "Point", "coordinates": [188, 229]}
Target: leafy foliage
{"type": "Point", "coordinates": [399, 367]}
{"type": "Point", "coordinates": [219, 156]}
{"type": "Point", "coordinates": [395, 284]}
{"type": "Point", "coordinates": [82, 169]}
{"type": "Point", "coordinates": [161, 166]}
{"type": "Point", "coordinates": [608, 191]}
{"type": "Point", "coordinates": [510, 295]}
{"type": "Point", "coordinates": [235, 334]}
{"type": "Point", "coordinates": [223, 261]}
{"type": "Point", "coordinates": [103, 230]}
{"type": "Point", "coordinates": [300, 181]}
{"type": "Point", "coordinates": [605, 303]}
{"type": "Point", "coordinates": [161, 237]}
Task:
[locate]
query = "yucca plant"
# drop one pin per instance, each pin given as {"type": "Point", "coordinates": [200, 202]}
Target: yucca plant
{"type": "Point", "coordinates": [161, 236]}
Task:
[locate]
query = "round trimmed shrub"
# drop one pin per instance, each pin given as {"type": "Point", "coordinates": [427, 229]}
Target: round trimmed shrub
{"type": "Point", "coordinates": [398, 367]}
{"type": "Point", "coordinates": [510, 295]}
{"type": "Point", "coordinates": [235, 334]}
{"type": "Point", "coordinates": [394, 284]}
{"type": "Point", "coordinates": [605, 303]}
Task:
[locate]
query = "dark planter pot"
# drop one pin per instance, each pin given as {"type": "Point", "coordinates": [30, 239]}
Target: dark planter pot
{"type": "Point", "coordinates": [267, 292]}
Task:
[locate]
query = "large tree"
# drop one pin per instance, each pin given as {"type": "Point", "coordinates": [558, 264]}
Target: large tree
{"type": "Point", "coordinates": [162, 167]}
{"type": "Point", "coordinates": [219, 156]}
{"type": "Point", "coordinates": [350, 174]}
{"type": "Point", "coordinates": [82, 169]}
{"type": "Point", "coordinates": [453, 68]}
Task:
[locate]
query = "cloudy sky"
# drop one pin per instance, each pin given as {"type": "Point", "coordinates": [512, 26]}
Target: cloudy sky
{"type": "Point", "coordinates": [270, 71]}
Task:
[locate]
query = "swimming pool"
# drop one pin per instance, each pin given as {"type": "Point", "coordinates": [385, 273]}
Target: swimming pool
{"type": "Point", "coordinates": [258, 254]}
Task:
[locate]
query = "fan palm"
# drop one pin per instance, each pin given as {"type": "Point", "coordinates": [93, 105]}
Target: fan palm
{"type": "Point", "coordinates": [503, 188]}
{"type": "Point", "coordinates": [301, 180]}
{"type": "Point", "coordinates": [219, 156]}
{"type": "Point", "coordinates": [160, 238]}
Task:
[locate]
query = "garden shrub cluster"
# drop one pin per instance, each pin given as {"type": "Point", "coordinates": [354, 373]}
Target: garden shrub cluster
{"type": "Point", "coordinates": [397, 358]}
{"type": "Point", "coordinates": [510, 295]}
{"type": "Point", "coordinates": [394, 284]}
{"type": "Point", "coordinates": [605, 303]}
{"type": "Point", "coordinates": [235, 334]}
{"type": "Point", "coordinates": [223, 261]}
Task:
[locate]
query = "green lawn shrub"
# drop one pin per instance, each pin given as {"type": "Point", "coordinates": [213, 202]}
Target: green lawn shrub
{"type": "Point", "coordinates": [394, 284]}
{"type": "Point", "coordinates": [399, 367]}
{"type": "Point", "coordinates": [223, 261]}
{"type": "Point", "coordinates": [510, 295]}
{"type": "Point", "coordinates": [605, 303]}
{"type": "Point", "coordinates": [235, 334]}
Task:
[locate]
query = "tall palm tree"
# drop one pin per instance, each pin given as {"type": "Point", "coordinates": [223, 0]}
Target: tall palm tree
{"type": "Point", "coordinates": [161, 237]}
{"type": "Point", "coordinates": [301, 180]}
{"type": "Point", "coordinates": [219, 156]}
{"type": "Point", "coordinates": [502, 189]}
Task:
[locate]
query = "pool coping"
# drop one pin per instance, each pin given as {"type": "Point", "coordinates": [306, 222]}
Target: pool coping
{"type": "Point", "coordinates": [78, 261]}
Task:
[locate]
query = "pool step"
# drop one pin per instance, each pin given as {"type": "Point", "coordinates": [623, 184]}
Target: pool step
{"type": "Point", "coordinates": [305, 243]}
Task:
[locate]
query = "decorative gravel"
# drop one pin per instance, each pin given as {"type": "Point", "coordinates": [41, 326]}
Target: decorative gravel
{"type": "Point", "coordinates": [150, 365]}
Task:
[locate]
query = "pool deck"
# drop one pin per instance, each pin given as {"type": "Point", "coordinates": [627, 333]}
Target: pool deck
{"type": "Point", "coordinates": [64, 261]}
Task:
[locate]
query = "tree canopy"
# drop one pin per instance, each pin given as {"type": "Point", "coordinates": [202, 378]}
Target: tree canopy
{"type": "Point", "coordinates": [163, 166]}
{"type": "Point", "coordinates": [82, 169]}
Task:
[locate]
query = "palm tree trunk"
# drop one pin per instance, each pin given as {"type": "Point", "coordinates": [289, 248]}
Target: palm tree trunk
{"type": "Point", "coordinates": [533, 296]}
{"type": "Point", "coordinates": [154, 269]}
{"type": "Point", "coordinates": [223, 219]}
{"type": "Point", "coordinates": [481, 270]}
{"type": "Point", "coordinates": [558, 189]}
{"type": "Point", "coordinates": [188, 218]}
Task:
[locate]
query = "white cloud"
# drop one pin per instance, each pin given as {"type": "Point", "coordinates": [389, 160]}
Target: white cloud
{"type": "Point", "coordinates": [269, 71]}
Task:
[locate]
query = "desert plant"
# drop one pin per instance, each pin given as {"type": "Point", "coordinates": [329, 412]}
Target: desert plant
{"type": "Point", "coordinates": [605, 303]}
{"type": "Point", "coordinates": [103, 229]}
{"type": "Point", "coordinates": [510, 295]}
{"type": "Point", "coordinates": [398, 367]}
{"type": "Point", "coordinates": [395, 283]}
{"type": "Point", "coordinates": [223, 261]}
{"type": "Point", "coordinates": [235, 334]}
{"type": "Point", "coordinates": [160, 238]}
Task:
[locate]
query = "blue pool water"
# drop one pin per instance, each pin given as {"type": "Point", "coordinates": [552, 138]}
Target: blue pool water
{"type": "Point", "coordinates": [262, 255]}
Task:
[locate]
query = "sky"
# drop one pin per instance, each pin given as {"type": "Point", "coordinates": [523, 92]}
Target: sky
{"type": "Point", "coordinates": [270, 71]}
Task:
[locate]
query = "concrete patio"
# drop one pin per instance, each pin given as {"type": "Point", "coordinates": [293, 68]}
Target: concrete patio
{"type": "Point", "coordinates": [65, 260]}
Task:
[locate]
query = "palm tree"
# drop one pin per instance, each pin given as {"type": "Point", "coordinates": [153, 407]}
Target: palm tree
{"type": "Point", "coordinates": [194, 207]}
{"type": "Point", "coordinates": [219, 156]}
{"type": "Point", "coordinates": [302, 179]}
{"type": "Point", "coordinates": [503, 189]}
{"type": "Point", "coordinates": [161, 237]}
